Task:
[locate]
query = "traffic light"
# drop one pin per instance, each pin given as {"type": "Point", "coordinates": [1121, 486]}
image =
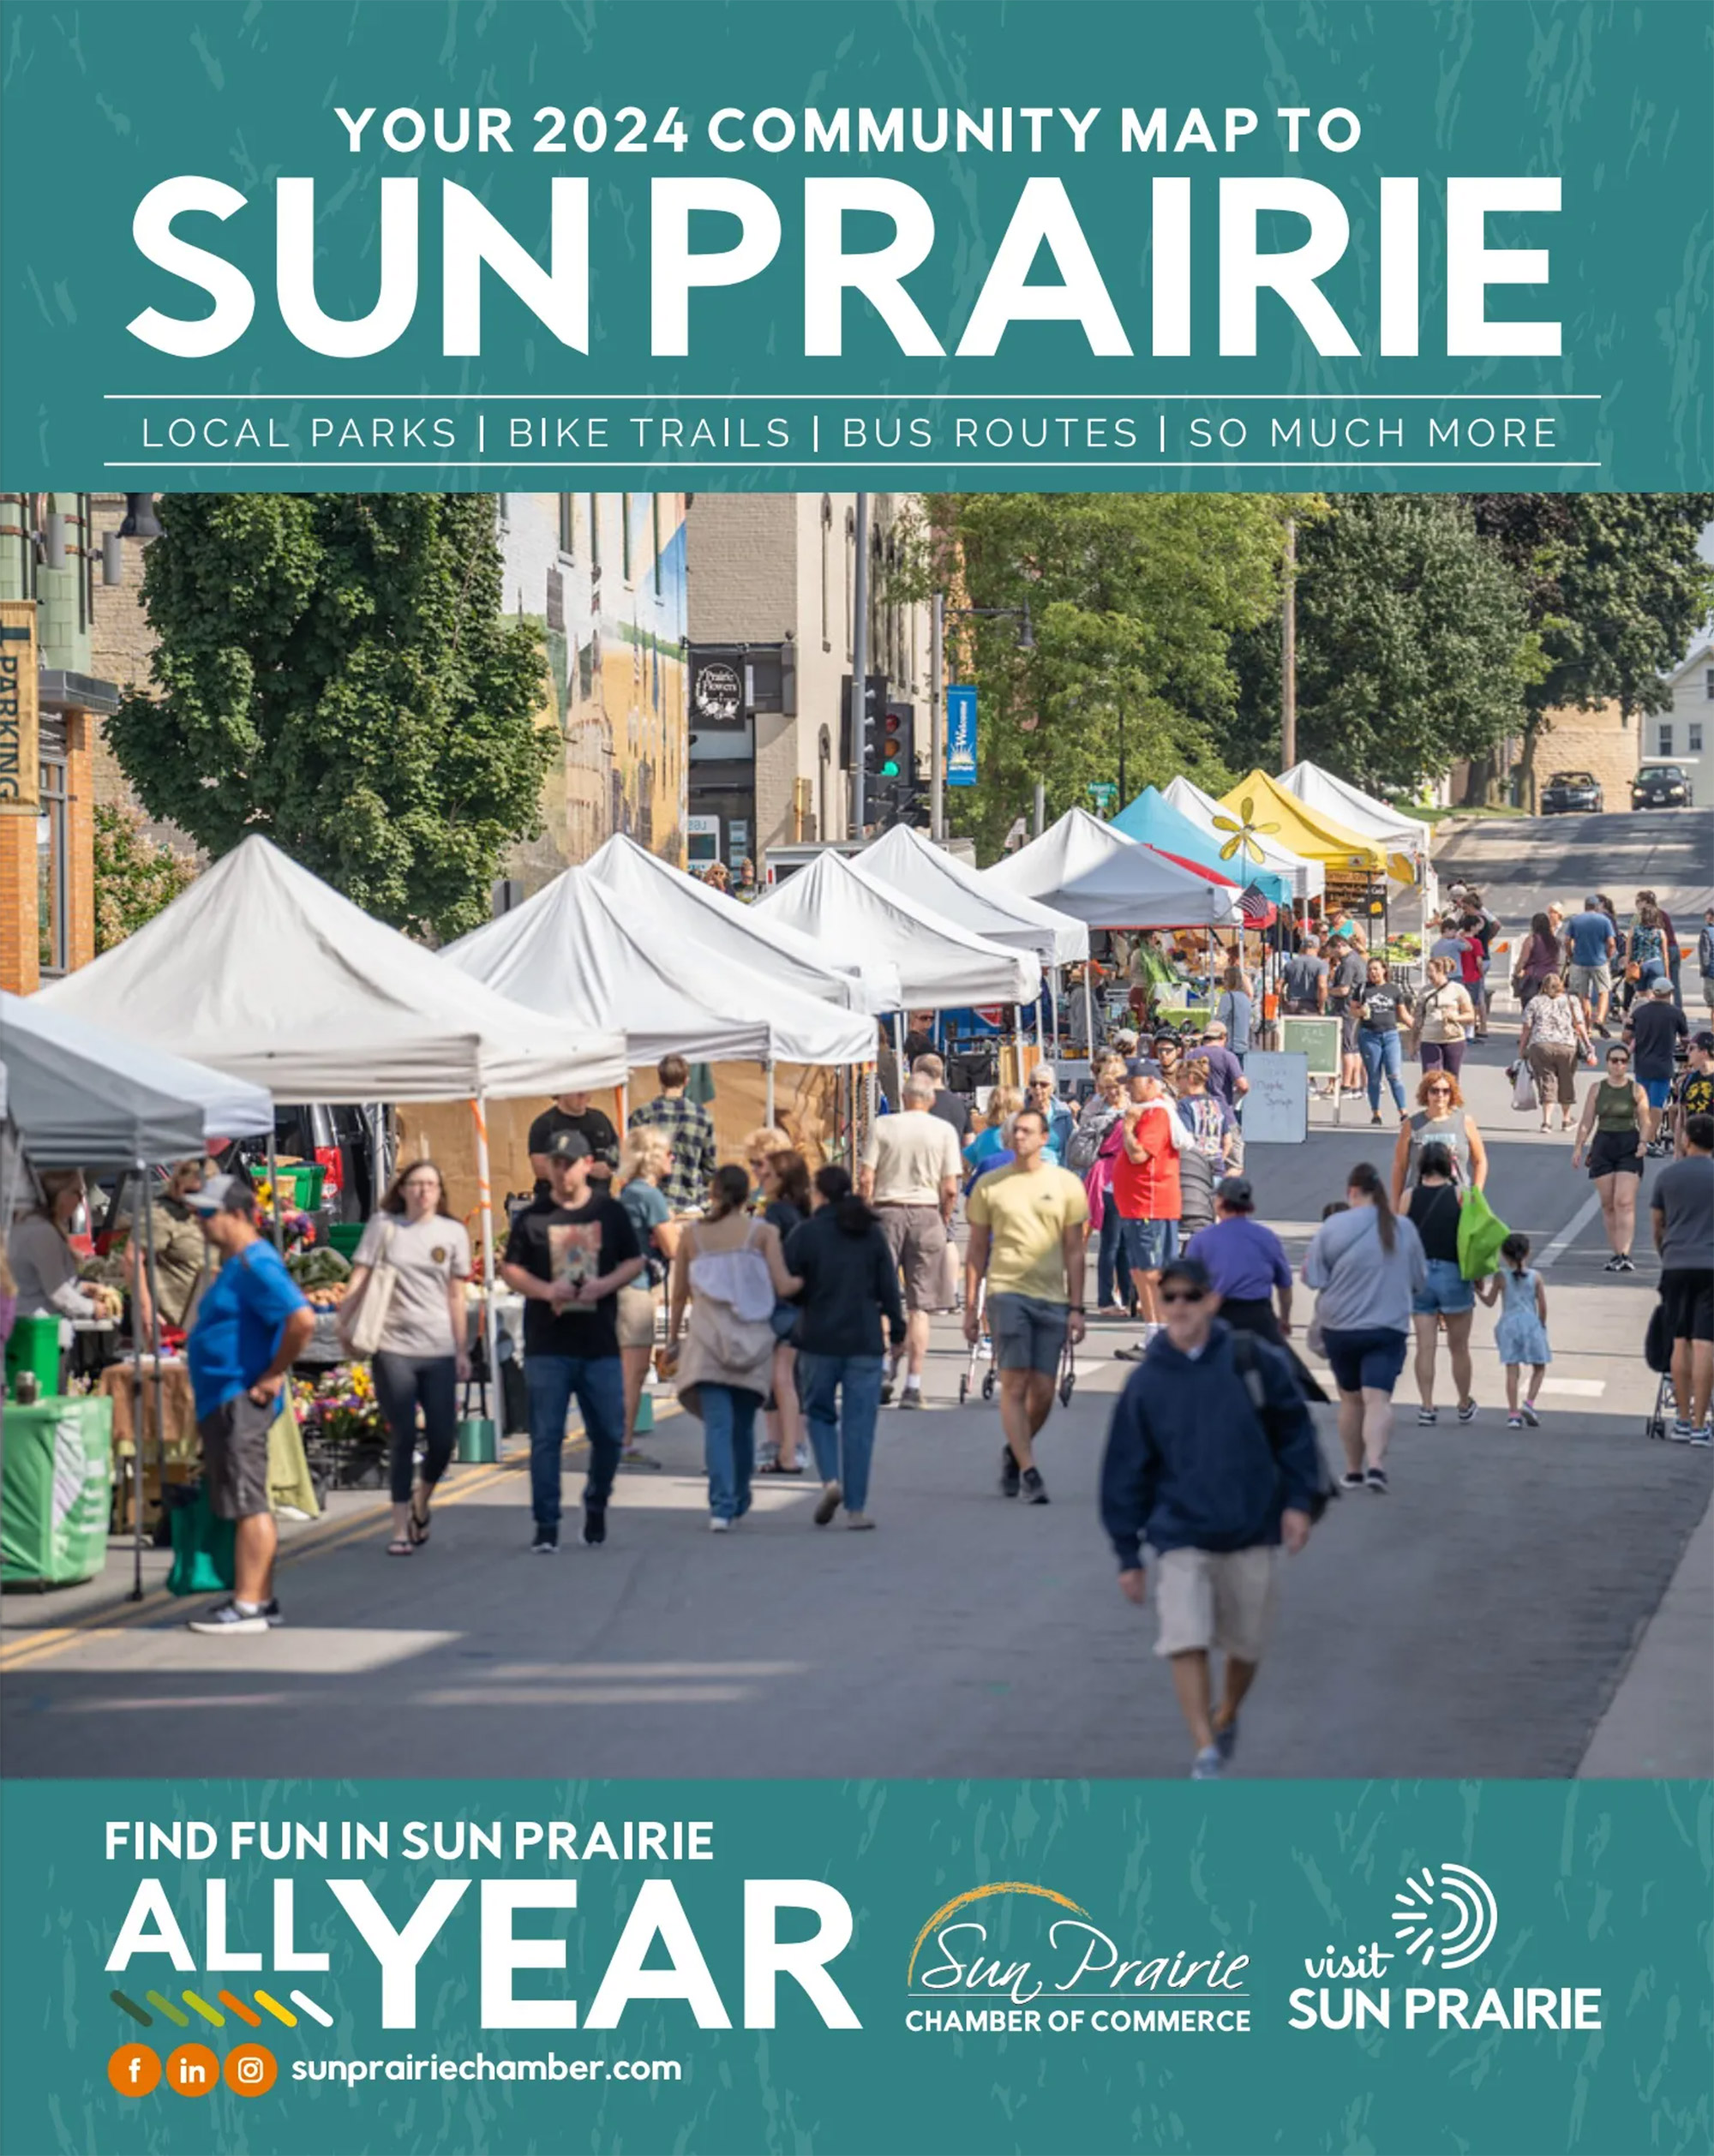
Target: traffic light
{"type": "Point", "coordinates": [897, 747]}
{"type": "Point", "coordinates": [871, 735]}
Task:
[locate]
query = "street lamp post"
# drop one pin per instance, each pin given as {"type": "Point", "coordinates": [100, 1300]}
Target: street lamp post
{"type": "Point", "coordinates": [937, 668]}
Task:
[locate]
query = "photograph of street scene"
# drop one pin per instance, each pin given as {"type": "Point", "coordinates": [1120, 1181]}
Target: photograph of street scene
{"type": "Point", "coordinates": [857, 1134]}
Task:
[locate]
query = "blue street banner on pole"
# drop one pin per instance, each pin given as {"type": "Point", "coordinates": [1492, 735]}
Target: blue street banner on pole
{"type": "Point", "coordinates": [960, 737]}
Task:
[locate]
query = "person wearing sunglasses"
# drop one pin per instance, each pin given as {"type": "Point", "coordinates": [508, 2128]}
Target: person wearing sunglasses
{"type": "Point", "coordinates": [1617, 1123]}
{"type": "Point", "coordinates": [1060, 1120]}
{"type": "Point", "coordinates": [1440, 1118]}
{"type": "Point", "coordinates": [1211, 1460]}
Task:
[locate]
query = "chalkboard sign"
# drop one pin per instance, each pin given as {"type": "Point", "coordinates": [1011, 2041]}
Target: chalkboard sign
{"type": "Point", "coordinates": [1276, 1109]}
{"type": "Point", "coordinates": [1318, 1038]}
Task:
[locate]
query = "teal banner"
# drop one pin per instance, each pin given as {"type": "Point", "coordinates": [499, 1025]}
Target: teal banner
{"type": "Point", "coordinates": [1064, 245]}
{"type": "Point", "coordinates": [1500, 1969]}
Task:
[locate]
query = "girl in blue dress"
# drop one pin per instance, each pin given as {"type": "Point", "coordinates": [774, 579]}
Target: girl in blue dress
{"type": "Point", "coordinates": [1521, 1335]}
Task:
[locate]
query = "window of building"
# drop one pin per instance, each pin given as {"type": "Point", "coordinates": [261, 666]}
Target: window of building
{"type": "Point", "coordinates": [626, 568]}
{"type": "Point", "coordinates": [595, 532]}
{"type": "Point", "coordinates": [1695, 744]}
{"type": "Point", "coordinates": [568, 526]}
{"type": "Point", "coordinates": [826, 564]}
{"type": "Point", "coordinates": [1666, 737]}
{"type": "Point", "coordinates": [53, 857]}
{"type": "Point", "coordinates": [1708, 685]}
{"type": "Point", "coordinates": [850, 580]}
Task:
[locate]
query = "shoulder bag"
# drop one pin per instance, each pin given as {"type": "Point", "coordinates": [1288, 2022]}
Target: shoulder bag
{"type": "Point", "coordinates": [1248, 1367]}
{"type": "Point", "coordinates": [374, 1307]}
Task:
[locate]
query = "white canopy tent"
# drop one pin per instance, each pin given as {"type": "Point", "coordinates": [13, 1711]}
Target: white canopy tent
{"type": "Point", "coordinates": [82, 1095]}
{"type": "Point", "coordinates": [1143, 889]}
{"type": "Point", "coordinates": [1306, 878]}
{"type": "Point", "coordinates": [263, 971]}
{"type": "Point", "coordinates": [670, 905]}
{"type": "Point", "coordinates": [577, 951]}
{"type": "Point", "coordinates": [940, 964]}
{"type": "Point", "coordinates": [903, 861]}
{"type": "Point", "coordinates": [1066, 850]}
{"type": "Point", "coordinates": [1378, 820]}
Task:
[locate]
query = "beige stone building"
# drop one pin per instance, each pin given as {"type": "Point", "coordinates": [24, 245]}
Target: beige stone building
{"type": "Point", "coordinates": [1604, 740]}
{"type": "Point", "coordinates": [772, 582]}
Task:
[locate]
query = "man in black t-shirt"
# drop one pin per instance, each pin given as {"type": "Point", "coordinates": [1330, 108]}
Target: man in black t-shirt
{"type": "Point", "coordinates": [568, 1256]}
{"type": "Point", "coordinates": [951, 1107]}
{"type": "Point", "coordinates": [1654, 1028]}
{"type": "Point", "coordinates": [1305, 982]}
{"type": "Point", "coordinates": [1350, 973]}
{"type": "Point", "coordinates": [1693, 1095]}
{"type": "Point", "coordinates": [572, 1112]}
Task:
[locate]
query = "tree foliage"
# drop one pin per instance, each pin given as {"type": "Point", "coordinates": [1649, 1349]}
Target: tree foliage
{"type": "Point", "coordinates": [1134, 602]}
{"type": "Point", "coordinates": [334, 671]}
{"type": "Point", "coordinates": [1414, 644]}
{"type": "Point", "coordinates": [136, 876]}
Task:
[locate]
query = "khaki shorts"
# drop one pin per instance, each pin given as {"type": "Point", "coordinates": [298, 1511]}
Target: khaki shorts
{"type": "Point", "coordinates": [1215, 1598]}
{"type": "Point", "coordinates": [1589, 982]}
{"type": "Point", "coordinates": [636, 1317]}
{"type": "Point", "coordinates": [235, 1457]}
{"type": "Point", "coordinates": [916, 1236]}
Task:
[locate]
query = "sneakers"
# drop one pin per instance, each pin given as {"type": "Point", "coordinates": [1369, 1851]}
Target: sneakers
{"type": "Point", "coordinates": [1009, 1476]}
{"type": "Point", "coordinates": [1529, 1416]}
{"type": "Point", "coordinates": [1374, 1120]}
{"type": "Point", "coordinates": [1352, 1479]}
{"type": "Point", "coordinates": [1427, 1416]}
{"type": "Point", "coordinates": [1703, 1436]}
{"type": "Point", "coordinates": [595, 1525]}
{"type": "Point", "coordinates": [547, 1542]}
{"type": "Point", "coordinates": [1514, 1422]}
{"type": "Point", "coordinates": [1376, 1479]}
{"type": "Point", "coordinates": [1622, 1263]}
{"type": "Point", "coordinates": [1466, 1410]}
{"type": "Point", "coordinates": [828, 1503]}
{"type": "Point", "coordinates": [859, 1520]}
{"type": "Point", "coordinates": [716, 1525]}
{"type": "Point", "coordinates": [1207, 1764]}
{"type": "Point", "coordinates": [911, 1397]}
{"type": "Point", "coordinates": [227, 1617]}
{"type": "Point", "coordinates": [1226, 1739]}
{"type": "Point", "coordinates": [1681, 1432]}
{"type": "Point", "coordinates": [887, 1383]}
{"type": "Point", "coordinates": [1034, 1489]}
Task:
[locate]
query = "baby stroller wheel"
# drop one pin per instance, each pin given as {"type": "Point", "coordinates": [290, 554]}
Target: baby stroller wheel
{"type": "Point", "coordinates": [988, 1385]}
{"type": "Point", "coordinates": [963, 1388]}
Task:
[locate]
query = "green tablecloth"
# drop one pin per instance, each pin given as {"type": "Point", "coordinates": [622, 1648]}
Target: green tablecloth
{"type": "Point", "coordinates": [56, 1490]}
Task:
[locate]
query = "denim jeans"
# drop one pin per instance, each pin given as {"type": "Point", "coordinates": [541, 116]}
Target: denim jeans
{"type": "Point", "coordinates": [842, 1398]}
{"type": "Point", "coordinates": [1382, 1052]}
{"type": "Point", "coordinates": [598, 1382]}
{"type": "Point", "coordinates": [1110, 1268]}
{"type": "Point", "coordinates": [728, 1444]}
{"type": "Point", "coordinates": [401, 1382]}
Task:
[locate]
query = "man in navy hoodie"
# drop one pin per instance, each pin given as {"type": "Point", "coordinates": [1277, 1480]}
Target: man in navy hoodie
{"type": "Point", "coordinates": [1213, 1465]}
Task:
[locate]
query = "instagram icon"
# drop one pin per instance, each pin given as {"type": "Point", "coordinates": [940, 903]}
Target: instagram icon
{"type": "Point", "coordinates": [249, 2070]}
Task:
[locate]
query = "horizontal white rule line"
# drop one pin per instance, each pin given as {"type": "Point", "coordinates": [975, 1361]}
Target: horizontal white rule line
{"type": "Point", "coordinates": [853, 397]}
{"type": "Point", "coordinates": [841, 464]}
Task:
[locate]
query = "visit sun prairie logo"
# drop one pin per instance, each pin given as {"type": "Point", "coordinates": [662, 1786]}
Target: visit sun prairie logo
{"type": "Point", "coordinates": [1469, 1932]}
{"type": "Point", "coordinates": [1013, 1958]}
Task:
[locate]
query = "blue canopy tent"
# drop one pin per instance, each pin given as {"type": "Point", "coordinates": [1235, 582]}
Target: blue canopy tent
{"type": "Point", "coordinates": [1152, 819]}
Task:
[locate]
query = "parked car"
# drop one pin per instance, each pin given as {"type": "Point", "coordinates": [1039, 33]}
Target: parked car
{"type": "Point", "coordinates": [1662, 786]}
{"type": "Point", "coordinates": [1570, 794]}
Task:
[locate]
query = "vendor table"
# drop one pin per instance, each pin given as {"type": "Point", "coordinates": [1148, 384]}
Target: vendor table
{"type": "Point", "coordinates": [53, 1490]}
{"type": "Point", "coordinates": [182, 1460]}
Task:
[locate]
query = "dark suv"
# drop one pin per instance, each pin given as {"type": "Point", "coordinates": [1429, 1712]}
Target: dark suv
{"type": "Point", "coordinates": [1662, 786]}
{"type": "Point", "coordinates": [1571, 792]}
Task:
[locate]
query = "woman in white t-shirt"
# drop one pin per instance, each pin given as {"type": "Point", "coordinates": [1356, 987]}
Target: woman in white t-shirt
{"type": "Point", "coordinates": [423, 1355]}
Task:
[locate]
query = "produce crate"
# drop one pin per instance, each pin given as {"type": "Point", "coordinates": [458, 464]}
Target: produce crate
{"type": "Point", "coordinates": [301, 1183]}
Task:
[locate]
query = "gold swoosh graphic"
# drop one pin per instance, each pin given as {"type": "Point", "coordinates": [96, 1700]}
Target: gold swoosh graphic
{"type": "Point", "coordinates": [980, 1894]}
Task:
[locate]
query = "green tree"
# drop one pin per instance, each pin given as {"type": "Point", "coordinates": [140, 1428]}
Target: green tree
{"type": "Point", "coordinates": [1414, 646]}
{"type": "Point", "coordinates": [1615, 589]}
{"type": "Point", "coordinates": [334, 671]}
{"type": "Point", "coordinates": [136, 876]}
{"type": "Point", "coordinates": [1133, 601]}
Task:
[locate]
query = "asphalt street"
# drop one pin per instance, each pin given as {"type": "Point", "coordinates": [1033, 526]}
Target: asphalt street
{"type": "Point", "coordinates": [1484, 1619]}
{"type": "Point", "coordinates": [1521, 862]}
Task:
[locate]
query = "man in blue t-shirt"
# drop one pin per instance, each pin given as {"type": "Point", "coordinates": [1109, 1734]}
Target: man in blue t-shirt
{"type": "Point", "coordinates": [252, 1324]}
{"type": "Point", "coordinates": [1591, 941]}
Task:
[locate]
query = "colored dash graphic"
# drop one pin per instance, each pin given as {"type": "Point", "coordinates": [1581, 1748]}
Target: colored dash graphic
{"type": "Point", "coordinates": [236, 2006]}
{"type": "Point", "coordinates": [165, 2006]}
{"type": "Point", "coordinates": [203, 2007]}
{"type": "Point", "coordinates": [314, 2012]}
{"type": "Point", "coordinates": [280, 2013]}
{"type": "Point", "coordinates": [130, 2006]}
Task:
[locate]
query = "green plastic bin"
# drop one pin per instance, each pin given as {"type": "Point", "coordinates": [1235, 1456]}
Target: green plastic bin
{"type": "Point", "coordinates": [202, 1546]}
{"type": "Point", "coordinates": [35, 1345]}
{"type": "Point", "coordinates": [301, 1185]}
{"type": "Point", "coordinates": [345, 1235]}
{"type": "Point", "coordinates": [56, 1491]}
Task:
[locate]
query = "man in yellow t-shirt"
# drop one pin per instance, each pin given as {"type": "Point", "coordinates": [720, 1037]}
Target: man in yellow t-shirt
{"type": "Point", "coordinates": [1027, 1230]}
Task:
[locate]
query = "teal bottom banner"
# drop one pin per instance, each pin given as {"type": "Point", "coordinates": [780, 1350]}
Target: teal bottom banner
{"type": "Point", "coordinates": [857, 1969]}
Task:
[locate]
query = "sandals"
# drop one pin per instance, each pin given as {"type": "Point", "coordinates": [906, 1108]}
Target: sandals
{"type": "Point", "coordinates": [401, 1545]}
{"type": "Point", "coordinates": [416, 1527]}
{"type": "Point", "coordinates": [774, 1467]}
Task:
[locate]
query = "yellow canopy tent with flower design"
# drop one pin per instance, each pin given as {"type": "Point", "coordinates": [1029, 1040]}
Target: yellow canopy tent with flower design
{"type": "Point", "coordinates": [1261, 809]}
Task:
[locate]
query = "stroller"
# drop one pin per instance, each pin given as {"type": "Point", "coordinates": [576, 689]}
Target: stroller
{"type": "Point", "coordinates": [982, 1353]}
{"type": "Point", "coordinates": [1657, 1354]}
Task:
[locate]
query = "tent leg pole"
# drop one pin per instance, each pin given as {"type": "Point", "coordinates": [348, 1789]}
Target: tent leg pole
{"type": "Point", "coordinates": [899, 1055]}
{"type": "Point", "coordinates": [768, 1118]}
{"type": "Point", "coordinates": [155, 1340]}
{"type": "Point", "coordinates": [490, 1266]}
{"type": "Point", "coordinates": [273, 1185]}
{"type": "Point", "coordinates": [137, 1595]}
{"type": "Point", "coordinates": [1090, 1011]}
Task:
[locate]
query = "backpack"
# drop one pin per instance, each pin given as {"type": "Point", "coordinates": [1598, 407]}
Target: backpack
{"type": "Point", "coordinates": [1247, 1365]}
{"type": "Point", "coordinates": [1086, 1143]}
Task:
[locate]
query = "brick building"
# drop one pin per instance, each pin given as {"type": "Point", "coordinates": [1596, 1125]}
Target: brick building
{"type": "Point", "coordinates": [50, 558]}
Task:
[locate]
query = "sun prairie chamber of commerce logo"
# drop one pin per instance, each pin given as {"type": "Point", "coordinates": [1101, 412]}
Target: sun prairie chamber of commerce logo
{"type": "Point", "coordinates": [1424, 1927]}
{"type": "Point", "coordinates": [1013, 1958]}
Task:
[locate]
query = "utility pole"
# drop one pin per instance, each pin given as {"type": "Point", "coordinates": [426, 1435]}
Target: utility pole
{"type": "Point", "coordinates": [937, 732]}
{"type": "Point", "coordinates": [1288, 654]}
{"type": "Point", "coordinates": [860, 670]}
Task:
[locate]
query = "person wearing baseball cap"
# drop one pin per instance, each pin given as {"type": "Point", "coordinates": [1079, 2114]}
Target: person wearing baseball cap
{"type": "Point", "coordinates": [252, 1324]}
{"type": "Point", "coordinates": [1213, 1462]}
{"type": "Point", "coordinates": [568, 1256]}
{"type": "Point", "coordinates": [1654, 1027]}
